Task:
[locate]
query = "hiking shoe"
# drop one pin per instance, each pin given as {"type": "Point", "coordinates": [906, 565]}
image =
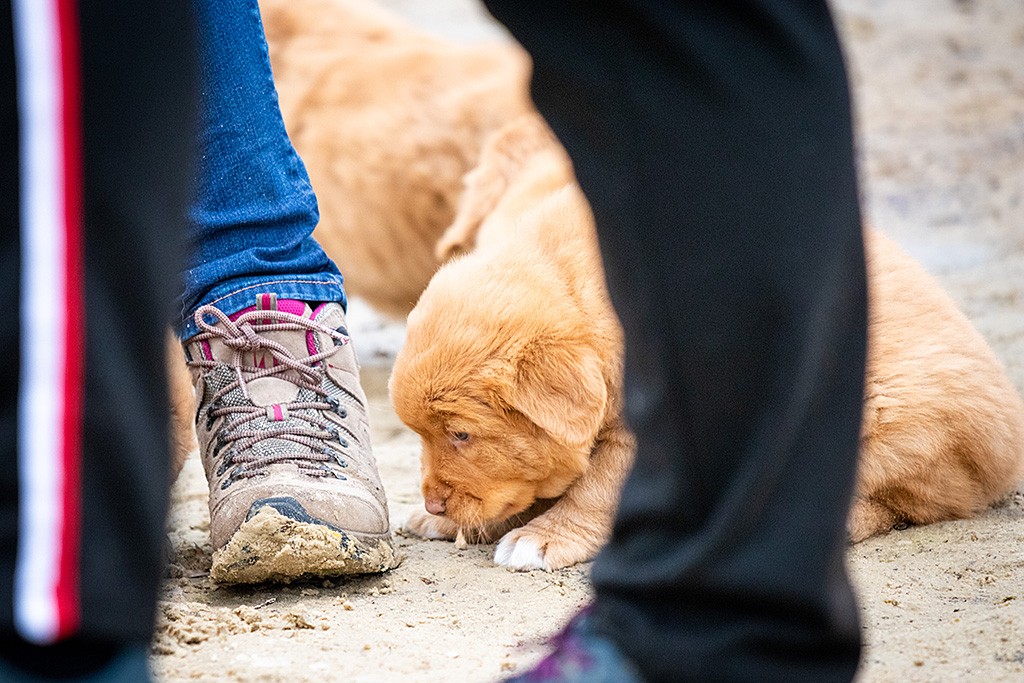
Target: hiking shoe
{"type": "Point", "coordinates": [582, 655]}
{"type": "Point", "coordinates": [285, 442]}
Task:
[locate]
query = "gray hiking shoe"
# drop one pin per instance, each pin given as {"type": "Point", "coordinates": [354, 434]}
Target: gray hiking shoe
{"type": "Point", "coordinates": [285, 442]}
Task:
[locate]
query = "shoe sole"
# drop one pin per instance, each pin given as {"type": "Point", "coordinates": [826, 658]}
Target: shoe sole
{"type": "Point", "coordinates": [270, 547]}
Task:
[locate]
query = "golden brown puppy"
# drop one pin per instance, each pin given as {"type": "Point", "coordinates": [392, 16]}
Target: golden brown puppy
{"type": "Point", "coordinates": [512, 368]}
{"type": "Point", "coordinates": [511, 376]}
{"type": "Point", "coordinates": [387, 120]}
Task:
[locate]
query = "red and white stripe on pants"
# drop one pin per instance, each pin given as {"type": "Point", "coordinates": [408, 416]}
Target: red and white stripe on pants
{"type": "Point", "coordinates": [52, 344]}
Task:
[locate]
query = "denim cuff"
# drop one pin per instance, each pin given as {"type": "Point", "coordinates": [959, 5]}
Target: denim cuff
{"type": "Point", "coordinates": [231, 297]}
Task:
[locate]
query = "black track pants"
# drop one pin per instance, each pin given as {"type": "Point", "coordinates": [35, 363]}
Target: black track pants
{"type": "Point", "coordinates": [96, 140]}
{"type": "Point", "coordinates": [714, 141]}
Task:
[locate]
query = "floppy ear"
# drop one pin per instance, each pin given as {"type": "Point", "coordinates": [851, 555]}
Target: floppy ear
{"type": "Point", "coordinates": [505, 153]}
{"type": "Point", "coordinates": [562, 390]}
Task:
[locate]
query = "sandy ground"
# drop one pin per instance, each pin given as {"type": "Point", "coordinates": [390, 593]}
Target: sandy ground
{"type": "Point", "coordinates": [940, 97]}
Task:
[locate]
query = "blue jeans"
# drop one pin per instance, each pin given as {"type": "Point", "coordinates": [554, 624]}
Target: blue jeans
{"type": "Point", "coordinates": [252, 220]}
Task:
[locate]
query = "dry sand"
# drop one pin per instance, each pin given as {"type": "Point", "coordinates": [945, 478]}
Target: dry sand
{"type": "Point", "coordinates": [940, 95]}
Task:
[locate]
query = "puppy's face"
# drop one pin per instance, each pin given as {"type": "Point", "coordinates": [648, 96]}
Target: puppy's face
{"type": "Point", "coordinates": [506, 414]}
{"type": "Point", "coordinates": [484, 462]}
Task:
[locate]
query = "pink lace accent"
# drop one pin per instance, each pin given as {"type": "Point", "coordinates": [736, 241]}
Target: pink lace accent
{"type": "Point", "coordinates": [270, 302]}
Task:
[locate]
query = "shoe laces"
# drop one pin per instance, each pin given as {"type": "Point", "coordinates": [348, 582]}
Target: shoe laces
{"type": "Point", "coordinates": [299, 421]}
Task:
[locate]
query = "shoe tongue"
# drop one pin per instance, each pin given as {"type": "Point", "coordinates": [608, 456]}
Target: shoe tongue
{"type": "Point", "coordinates": [275, 389]}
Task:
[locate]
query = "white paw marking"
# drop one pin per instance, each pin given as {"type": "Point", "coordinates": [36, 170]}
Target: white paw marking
{"type": "Point", "coordinates": [519, 553]}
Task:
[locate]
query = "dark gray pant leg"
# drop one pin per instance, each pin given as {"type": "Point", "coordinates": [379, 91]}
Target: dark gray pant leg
{"type": "Point", "coordinates": [714, 142]}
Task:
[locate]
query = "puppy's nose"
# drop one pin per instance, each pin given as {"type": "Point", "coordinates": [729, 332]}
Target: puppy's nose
{"type": "Point", "coordinates": [435, 506]}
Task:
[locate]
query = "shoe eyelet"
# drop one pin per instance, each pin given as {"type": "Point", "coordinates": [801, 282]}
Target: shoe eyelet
{"type": "Point", "coordinates": [336, 406]}
{"type": "Point", "coordinates": [227, 461]}
{"type": "Point", "coordinates": [210, 417]}
{"type": "Point", "coordinates": [343, 442]}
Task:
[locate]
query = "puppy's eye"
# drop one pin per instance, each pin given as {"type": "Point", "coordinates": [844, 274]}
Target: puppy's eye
{"type": "Point", "coordinates": [460, 436]}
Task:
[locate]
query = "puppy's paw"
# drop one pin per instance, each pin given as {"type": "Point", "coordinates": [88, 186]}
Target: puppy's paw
{"type": "Point", "coordinates": [519, 552]}
{"type": "Point", "coordinates": [425, 525]}
{"type": "Point", "coordinates": [526, 549]}
{"type": "Point", "coordinates": [868, 518]}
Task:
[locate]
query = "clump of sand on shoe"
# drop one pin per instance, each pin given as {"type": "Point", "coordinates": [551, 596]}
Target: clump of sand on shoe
{"type": "Point", "coordinates": [272, 547]}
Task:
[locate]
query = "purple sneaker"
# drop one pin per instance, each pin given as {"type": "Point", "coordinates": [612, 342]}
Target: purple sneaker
{"type": "Point", "coordinates": [581, 655]}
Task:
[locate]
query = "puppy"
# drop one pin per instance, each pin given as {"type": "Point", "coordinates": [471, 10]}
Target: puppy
{"type": "Point", "coordinates": [511, 371]}
{"type": "Point", "coordinates": [511, 375]}
{"type": "Point", "coordinates": [387, 120]}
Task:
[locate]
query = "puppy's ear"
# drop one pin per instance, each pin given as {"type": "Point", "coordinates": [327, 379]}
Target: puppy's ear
{"type": "Point", "coordinates": [503, 156]}
{"type": "Point", "coordinates": [562, 390]}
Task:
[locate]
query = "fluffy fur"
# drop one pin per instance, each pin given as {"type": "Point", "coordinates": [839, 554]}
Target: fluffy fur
{"type": "Point", "coordinates": [511, 376]}
{"type": "Point", "coordinates": [943, 432]}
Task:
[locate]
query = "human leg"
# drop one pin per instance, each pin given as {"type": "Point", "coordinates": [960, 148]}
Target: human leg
{"type": "Point", "coordinates": [255, 210]}
{"type": "Point", "coordinates": [714, 142]}
{"type": "Point", "coordinates": [282, 419]}
{"type": "Point", "coordinates": [96, 182]}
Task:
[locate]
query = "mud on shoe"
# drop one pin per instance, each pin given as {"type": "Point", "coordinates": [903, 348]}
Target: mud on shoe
{"type": "Point", "coordinates": [284, 439]}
